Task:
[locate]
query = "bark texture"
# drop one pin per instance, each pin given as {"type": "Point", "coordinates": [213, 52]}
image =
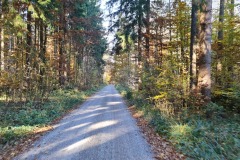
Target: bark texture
{"type": "Point", "coordinates": [204, 61]}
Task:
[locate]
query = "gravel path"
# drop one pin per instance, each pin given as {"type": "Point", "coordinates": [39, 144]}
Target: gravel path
{"type": "Point", "coordinates": [101, 129]}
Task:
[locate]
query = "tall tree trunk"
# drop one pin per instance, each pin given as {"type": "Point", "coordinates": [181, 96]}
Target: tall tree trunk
{"type": "Point", "coordinates": [29, 46]}
{"type": "Point", "coordinates": [42, 56]}
{"type": "Point", "coordinates": [193, 45]}
{"type": "Point", "coordinates": [232, 7]}
{"type": "Point", "coordinates": [147, 36]}
{"type": "Point", "coordinates": [29, 38]}
{"type": "Point", "coordinates": [2, 40]}
{"type": "Point", "coordinates": [204, 63]}
{"type": "Point", "coordinates": [45, 43]}
{"type": "Point", "coordinates": [2, 47]}
{"type": "Point", "coordinates": [219, 43]}
{"type": "Point", "coordinates": [61, 46]}
{"type": "Point", "coordinates": [139, 37]}
{"type": "Point", "coordinates": [221, 19]}
{"type": "Point", "coordinates": [230, 69]}
{"type": "Point", "coordinates": [61, 60]}
{"type": "Point", "coordinates": [231, 36]}
{"type": "Point", "coordinates": [35, 64]}
{"type": "Point", "coordinates": [139, 46]}
{"type": "Point", "coordinates": [69, 60]}
{"type": "Point", "coordinates": [170, 21]}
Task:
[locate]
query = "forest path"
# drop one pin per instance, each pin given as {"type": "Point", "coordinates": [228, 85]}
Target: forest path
{"type": "Point", "coordinates": [100, 129]}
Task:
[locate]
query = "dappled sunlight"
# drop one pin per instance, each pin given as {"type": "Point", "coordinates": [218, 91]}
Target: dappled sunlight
{"type": "Point", "coordinates": [180, 131]}
{"type": "Point", "coordinates": [92, 141]}
{"type": "Point", "coordinates": [78, 144]}
{"type": "Point", "coordinates": [103, 124]}
{"type": "Point", "coordinates": [77, 126]}
{"type": "Point", "coordinates": [113, 103]}
{"type": "Point", "coordinates": [99, 122]}
{"type": "Point", "coordinates": [99, 109]}
{"type": "Point", "coordinates": [104, 96]}
{"type": "Point", "coordinates": [74, 141]}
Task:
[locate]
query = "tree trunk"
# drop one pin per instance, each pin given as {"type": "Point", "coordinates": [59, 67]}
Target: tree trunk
{"type": "Point", "coordinates": [2, 47]}
{"type": "Point", "coordinates": [232, 7]}
{"type": "Point", "coordinates": [204, 61]}
{"type": "Point", "coordinates": [61, 47]}
{"type": "Point", "coordinates": [231, 36]}
{"type": "Point", "coordinates": [230, 67]}
{"type": "Point", "coordinates": [61, 60]}
{"type": "Point", "coordinates": [147, 36]}
{"type": "Point", "coordinates": [219, 43]}
{"type": "Point", "coordinates": [69, 60]}
{"type": "Point", "coordinates": [170, 21]}
{"type": "Point", "coordinates": [2, 38]}
{"type": "Point", "coordinates": [139, 38]}
{"type": "Point", "coordinates": [29, 39]}
{"type": "Point", "coordinates": [193, 45]}
{"type": "Point", "coordinates": [139, 47]}
{"type": "Point", "coordinates": [42, 56]}
{"type": "Point", "coordinates": [28, 50]}
{"type": "Point", "coordinates": [221, 19]}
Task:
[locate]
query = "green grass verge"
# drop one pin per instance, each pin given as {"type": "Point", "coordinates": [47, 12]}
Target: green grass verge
{"type": "Point", "coordinates": [196, 136]}
{"type": "Point", "coordinates": [19, 121]}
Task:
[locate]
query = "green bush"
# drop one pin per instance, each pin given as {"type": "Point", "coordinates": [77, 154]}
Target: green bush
{"type": "Point", "coordinates": [124, 91]}
{"type": "Point", "coordinates": [230, 99]}
{"type": "Point", "coordinates": [11, 133]}
{"type": "Point", "coordinates": [213, 110]}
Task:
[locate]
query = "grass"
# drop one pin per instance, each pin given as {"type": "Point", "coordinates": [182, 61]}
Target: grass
{"type": "Point", "coordinates": [198, 137]}
{"type": "Point", "coordinates": [18, 121]}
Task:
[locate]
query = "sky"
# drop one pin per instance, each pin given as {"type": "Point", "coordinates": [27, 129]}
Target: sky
{"type": "Point", "coordinates": [106, 22]}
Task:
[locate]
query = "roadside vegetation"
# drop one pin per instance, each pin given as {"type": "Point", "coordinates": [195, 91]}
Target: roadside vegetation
{"type": "Point", "coordinates": [20, 120]}
{"type": "Point", "coordinates": [196, 135]}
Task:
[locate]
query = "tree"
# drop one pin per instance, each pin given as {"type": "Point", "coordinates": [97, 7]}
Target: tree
{"type": "Point", "coordinates": [204, 59]}
{"type": "Point", "coordinates": [193, 45]}
{"type": "Point", "coordinates": [221, 19]}
{"type": "Point", "coordinates": [29, 46]}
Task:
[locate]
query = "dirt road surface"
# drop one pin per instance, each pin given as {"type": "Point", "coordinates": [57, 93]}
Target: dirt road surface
{"type": "Point", "coordinates": [101, 129]}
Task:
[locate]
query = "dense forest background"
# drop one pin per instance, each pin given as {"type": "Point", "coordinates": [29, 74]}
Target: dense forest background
{"type": "Point", "coordinates": [49, 44]}
{"type": "Point", "coordinates": [178, 61]}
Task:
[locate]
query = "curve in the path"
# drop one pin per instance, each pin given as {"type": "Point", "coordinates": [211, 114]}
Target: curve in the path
{"type": "Point", "coordinates": [101, 129]}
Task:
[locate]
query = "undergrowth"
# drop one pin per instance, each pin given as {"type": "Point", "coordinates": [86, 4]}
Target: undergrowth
{"type": "Point", "coordinates": [18, 121]}
{"type": "Point", "coordinates": [195, 135]}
